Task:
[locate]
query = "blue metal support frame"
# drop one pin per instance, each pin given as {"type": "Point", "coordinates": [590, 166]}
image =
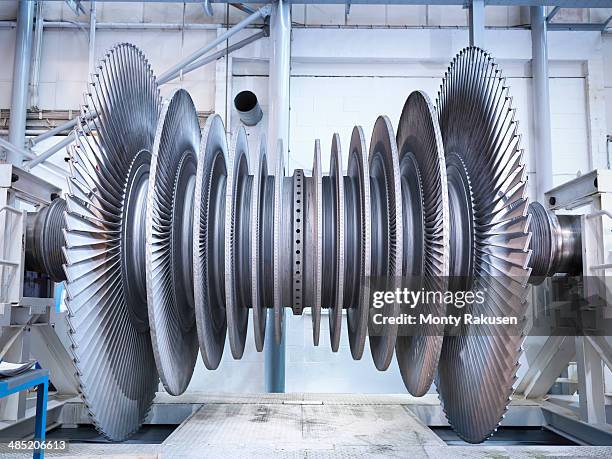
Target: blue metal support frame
{"type": "Point", "coordinates": [25, 381]}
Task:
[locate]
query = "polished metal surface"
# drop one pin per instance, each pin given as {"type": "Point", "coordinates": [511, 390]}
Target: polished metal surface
{"type": "Point", "coordinates": [488, 216]}
{"type": "Point", "coordinates": [238, 249]}
{"type": "Point", "coordinates": [556, 243]}
{"type": "Point", "coordinates": [44, 240]}
{"type": "Point", "coordinates": [169, 242]}
{"type": "Point", "coordinates": [426, 235]}
{"type": "Point", "coordinates": [260, 249]}
{"type": "Point", "coordinates": [333, 239]}
{"type": "Point", "coordinates": [105, 240]}
{"type": "Point", "coordinates": [358, 224]}
{"type": "Point", "coordinates": [387, 233]}
{"type": "Point", "coordinates": [277, 232]}
{"type": "Point", "coordinates": [317, 245]}
{"type": "Point", "coordinates": [209, 242]}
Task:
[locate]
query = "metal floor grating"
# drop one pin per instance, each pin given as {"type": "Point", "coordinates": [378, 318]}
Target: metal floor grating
{"type": "Point", "coordinates": [307, 426]}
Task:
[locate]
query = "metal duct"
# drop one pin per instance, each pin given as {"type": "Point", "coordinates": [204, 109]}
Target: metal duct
{"type": "Point", "coordinates": [248, 108]}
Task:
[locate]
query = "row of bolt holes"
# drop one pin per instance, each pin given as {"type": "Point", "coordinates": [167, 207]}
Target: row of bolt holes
{"type": "Point", "coordinates": [297, 298]}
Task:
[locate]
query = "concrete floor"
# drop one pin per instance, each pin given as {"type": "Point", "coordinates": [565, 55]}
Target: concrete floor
{"type": "Point", "coordinates": [309, 425]}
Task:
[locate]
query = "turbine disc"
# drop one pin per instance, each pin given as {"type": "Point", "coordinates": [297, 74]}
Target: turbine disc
{"type": "Point", "coordinates": [486, 185]}
{"type": "Point", "coordinates": [356, 295]}
{"type": "Point", "coordinates": [238, 248]}
{"type": "Point", "coordinates": [335, 227]}
{"type": "Point", "coordinates": [259, 263]}
{"type": "Point", "coordinates": [169, 245]}
{"type": "Point", "coordinates": [317, 178]}
{"type": "Point", "coordinates": [279, 178]}
{"type": "Point", "coordinates": [386, 231]}
{"type": "Point", "coordinates": [426, 235]}
{"type": "Point", "coordinates": [105, 243]}
{"type": "Point", "coordinates": [209, 242]}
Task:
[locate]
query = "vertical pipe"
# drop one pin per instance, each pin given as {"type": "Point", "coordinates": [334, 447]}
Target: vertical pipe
{"type": "Point", "coordinates": [278, 82]}
{"type": "Point", "coordinates": [278, 129]}
{"type": "Point", "coordinates": [541, 102]}
{"type": "Point", "coordinates": [21, 78]}
{"type": "Point", "coordinates": [35, 70]}
{"type": "Point", "coordinates": [92, 38]}
{"type": "Point", "coordinates": [477, 23]}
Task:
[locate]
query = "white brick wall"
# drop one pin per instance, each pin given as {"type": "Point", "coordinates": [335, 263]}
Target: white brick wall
{"type": "Point", "coordinates": [607, 53]}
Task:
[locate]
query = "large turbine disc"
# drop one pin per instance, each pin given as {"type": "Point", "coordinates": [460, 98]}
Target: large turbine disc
{"type": "Point", "coordinates": [488, 208]}
{"type": "Point", "coordinates": [386, 232]}
{"type": "Point", "coordinates": [209, 242]}
{"type": "Point", "coordinates": [426, 236]}
{"type": "Point", "coordinates": [105, 243]}
{"type": "Point", "coordinates": [260, 215]}
{"type": "Point", "coordinates": [358, 263]}
{"type": "Point", "coordinates": [317, 180]}
{"type": "Point", "coordinates": [238, 248]}
{"type": "Point", "coordinates": [334, 223]}
{"type": "Point", "coordinates": [169, 242]}
{"type": "Point", "coordinates": [279, 178]}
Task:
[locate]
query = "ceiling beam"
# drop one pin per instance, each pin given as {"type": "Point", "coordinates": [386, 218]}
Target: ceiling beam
{"type": "Point", "coordinates": [560, 3]}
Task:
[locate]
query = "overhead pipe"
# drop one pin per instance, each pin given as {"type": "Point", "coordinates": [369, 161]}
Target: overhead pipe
{"type": "Point", "coordinates": [174, 71]}
{"type": "Point", "coordinates": [68, 125]}
{"type": "Point", "coordinates": [21, 78]}
{"type": "Point", "coordinates": [22, 152]}
{"type": "Point", "coordinates": [278, 133]}
{"type": "Point", "coordinates": [223, 52]}
{"type": "Point", "coordinates": [16, 151]}
{"type": "Point", "coordinates": [125, 25]}
{"type": "Point", "coordinates": [541, 104]}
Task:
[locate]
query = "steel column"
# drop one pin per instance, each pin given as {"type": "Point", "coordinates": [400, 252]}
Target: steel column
{"type": "Point", "coordinates": [35, 70]}
{"type": "Point", "coordinates": [541, 101]}
{"type": "Point", "coordinates": [92, 38]}
{"type": "Point", "coordinates": [477, 23]}
{"type": "Point", "coordinates": [590, 382]}
{"type": "Point", "coordinates": [278, 129]}
{"type": "Point", "coordinates": [278, 82]}
{"type": "Point", "coordinates": [21, 78]}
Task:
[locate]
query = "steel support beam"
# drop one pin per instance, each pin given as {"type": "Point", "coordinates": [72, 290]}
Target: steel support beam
{"type": "Point", "coordinates": [553, 13]}
{"type": "Point", "coordinates": [477, 23]}
{"type": "Point", "coordinates": [541, 101]}
{"type": "Point", "coordinates": [278, 133]}
{"type": "Point", "coordinates": [552, 359]}
{"type": "Point", "coordinates": [174, 71]}
{"type": "Point", "coordinates": [223, 52]}
{"type": "Point", "coordinates": [50, 152]}
{"type": "Point", "coordinates": [590, 382]}
{"type": "Point", "coordinates": [21, 78]}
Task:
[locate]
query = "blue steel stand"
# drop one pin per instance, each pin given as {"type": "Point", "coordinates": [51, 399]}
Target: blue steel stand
{"type": "Point", "coordinates": [24, 381]}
